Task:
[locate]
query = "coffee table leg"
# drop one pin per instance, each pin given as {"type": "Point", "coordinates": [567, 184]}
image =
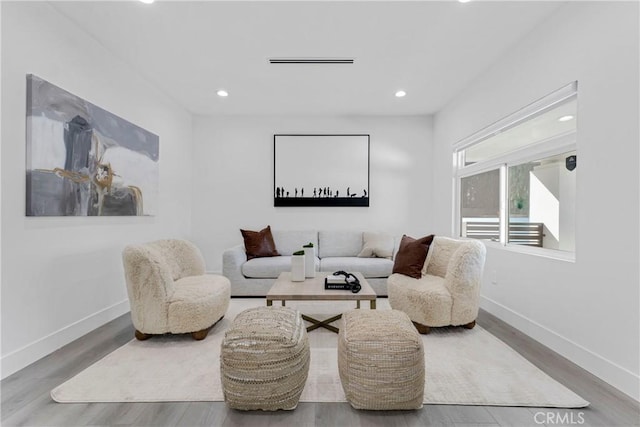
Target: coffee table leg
{"type": "Point", "coordinates": [373, 304]}
{"type": "Point", "coordinates": [270, 303]}
{"type": "Point", "coordinates": [322, 323]}
{"type": "Point", "coordinates": [358, 304]}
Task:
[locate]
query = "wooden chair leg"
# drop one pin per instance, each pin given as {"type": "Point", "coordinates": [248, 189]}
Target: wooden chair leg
{"type": "Point", "coordinates": [200, 335]}
{"type": "Point", "coordinates": [422, 329]}
{"type": "Point", "coordinates": [141, 336]}
{"type": "Point", "coordinates": [469, 325]}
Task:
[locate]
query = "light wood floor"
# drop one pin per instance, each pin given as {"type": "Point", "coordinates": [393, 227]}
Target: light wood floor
{"type": "Point", "coordinates": [26, 400]}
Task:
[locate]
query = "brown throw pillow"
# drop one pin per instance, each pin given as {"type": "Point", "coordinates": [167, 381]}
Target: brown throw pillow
{"type": "Point", "coordinates": [411, 255]}
{"type": "Point", "coordinates": [259, 243]}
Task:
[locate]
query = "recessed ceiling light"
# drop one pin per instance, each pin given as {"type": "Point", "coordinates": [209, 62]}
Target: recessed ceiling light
{"type": "Point", "coordinates": [222, 93]}
{"type": "Point", "coordinates": [147, 1]}
{"type": "Point", "coordinates": [565, 118]}
{"type": "Point", "coordinates": [400, 93]}
{"type": "Point", "coordinates": [464, 1]}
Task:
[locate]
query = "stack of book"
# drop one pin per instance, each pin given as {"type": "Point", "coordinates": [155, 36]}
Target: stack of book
{"type": "Point", "coordinates": [336, 282]}
{"type": "Point", "coordinates": [336, 279]}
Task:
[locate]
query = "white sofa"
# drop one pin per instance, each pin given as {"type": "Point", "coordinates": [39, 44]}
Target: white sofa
{"type": "Point", "coordinates": [335, 250]}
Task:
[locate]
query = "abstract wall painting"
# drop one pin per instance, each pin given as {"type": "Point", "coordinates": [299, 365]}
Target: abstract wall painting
{"type": "Point", "coordinates": [85, 161]}
{"type": "Point", "coordinates": [321, 170]}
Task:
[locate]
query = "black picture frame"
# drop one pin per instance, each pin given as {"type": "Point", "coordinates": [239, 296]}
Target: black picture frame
{"type": "Point", "coordinates": [321, 170]}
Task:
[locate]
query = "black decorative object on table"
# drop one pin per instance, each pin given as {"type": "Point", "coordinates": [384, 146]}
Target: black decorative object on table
{"type": "Point", "coordinates": [349, 282]}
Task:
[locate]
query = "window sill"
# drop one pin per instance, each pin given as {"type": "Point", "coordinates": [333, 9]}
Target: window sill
{"type": "Point", "coordinates": [530, 250]}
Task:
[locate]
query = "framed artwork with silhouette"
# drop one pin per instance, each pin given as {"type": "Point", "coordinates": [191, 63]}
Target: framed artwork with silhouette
{"type": "Point", "coordinates": [321, 170]}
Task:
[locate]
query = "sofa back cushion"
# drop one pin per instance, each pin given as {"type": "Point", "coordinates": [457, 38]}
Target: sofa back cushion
{"type": "Point", "coordinates": [377, 245]}
{"type": "Point", "coordinates": [339, 243]}
{"type": "Point", "coordinates": [290, 241]}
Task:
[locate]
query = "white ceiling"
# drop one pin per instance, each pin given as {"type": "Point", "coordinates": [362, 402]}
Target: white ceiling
{"type": "Point", "coordinates": [189, 50]}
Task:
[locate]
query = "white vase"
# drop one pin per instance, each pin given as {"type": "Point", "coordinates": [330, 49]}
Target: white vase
{"type": "Point", "coordinates": [310, 262]}
{"type": "Point", "coordinates": [297, 268]}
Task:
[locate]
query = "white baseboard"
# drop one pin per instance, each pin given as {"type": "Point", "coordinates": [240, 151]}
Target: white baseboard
{"type": "Point", "coordinates": [610, 372]}
{"type": "Point", "coordinates": [36, 350]}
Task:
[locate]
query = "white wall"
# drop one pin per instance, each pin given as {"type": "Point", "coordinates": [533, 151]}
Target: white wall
{"type": "Point", "coordinates": [233, 178]}
{"type": "Point", "coordinates": [62, 277]}
{"type": "Point", "coordinates": [567, 190]}
{"type": "Point", "coordinates": [588, 310]}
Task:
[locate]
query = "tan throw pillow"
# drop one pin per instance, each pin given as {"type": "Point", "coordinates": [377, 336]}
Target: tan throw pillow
{"type": "Point", "coordinates": [377, 245]}
{"type": "Point", "coordinates": [259, 244]}
{"type": "Point", "coordinates": [411, 255]}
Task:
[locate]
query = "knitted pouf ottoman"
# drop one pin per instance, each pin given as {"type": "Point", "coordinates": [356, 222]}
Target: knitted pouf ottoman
{"type": "Point", "coordinates": [264, 359]}
{"type": "Point", "coordinates": [381, 360]}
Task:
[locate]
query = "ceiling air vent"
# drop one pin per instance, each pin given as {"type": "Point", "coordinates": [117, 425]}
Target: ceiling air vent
{"type": "Point", "coordinates": [311, 60]}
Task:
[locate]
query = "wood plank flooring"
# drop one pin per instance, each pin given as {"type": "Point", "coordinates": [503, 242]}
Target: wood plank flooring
{"type": "Point", "coordinates": [26, 400]}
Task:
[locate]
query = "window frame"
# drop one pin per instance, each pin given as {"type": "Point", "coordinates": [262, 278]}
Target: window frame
{"type": "Point", "coordinates": [557, 144]}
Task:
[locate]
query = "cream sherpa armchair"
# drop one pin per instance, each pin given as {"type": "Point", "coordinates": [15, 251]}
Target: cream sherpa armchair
{"type": "Point", "coordinates": [449, 289]}
{"type": "Point", "coordinates": [169, 292]}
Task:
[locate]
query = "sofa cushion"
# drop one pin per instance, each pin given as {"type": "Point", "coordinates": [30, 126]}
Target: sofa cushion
{"type": "Point", "coordinates": [339, 243]}
{"type": "Point", "coordinates": [377, 245]}
{"type": "Point", "coordinates": [411, 256]}
{"type": "Point", "coordinates": [369, 267]}
{"type": "Point", "coordinates": [426, 300]}
{"type": "Point", "coordinates": [198, 302]}
{"type": "Point", "coordinates": [268, 268]}
{"type": "Point", "coordinates": [259, 243]}
{"type": "Point", "coordinates": [290, 241]}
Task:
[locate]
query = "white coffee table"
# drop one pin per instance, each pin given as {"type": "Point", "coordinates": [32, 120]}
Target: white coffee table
{"type": "Point", "coordinates": [313, 290]}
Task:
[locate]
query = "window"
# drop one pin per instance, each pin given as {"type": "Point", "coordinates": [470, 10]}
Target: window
{"type": "Point", "coordinates": [516, 179]}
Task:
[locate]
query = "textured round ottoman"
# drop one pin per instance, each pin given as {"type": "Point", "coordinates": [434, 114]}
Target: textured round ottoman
{"type": "Point", "coordinates": [264, 359]}
{"type": "Point", "coordinates": [381, 360]}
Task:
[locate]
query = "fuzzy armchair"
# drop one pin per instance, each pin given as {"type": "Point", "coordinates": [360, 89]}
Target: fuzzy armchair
{"type": "Point", "coordinates": [169, 291]}
{"type": "Point", "coordinates": [449, 290]}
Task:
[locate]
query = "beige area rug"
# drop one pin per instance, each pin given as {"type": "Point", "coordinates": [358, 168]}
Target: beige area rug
{"type": "Point", "coordinates": [464, 367]}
